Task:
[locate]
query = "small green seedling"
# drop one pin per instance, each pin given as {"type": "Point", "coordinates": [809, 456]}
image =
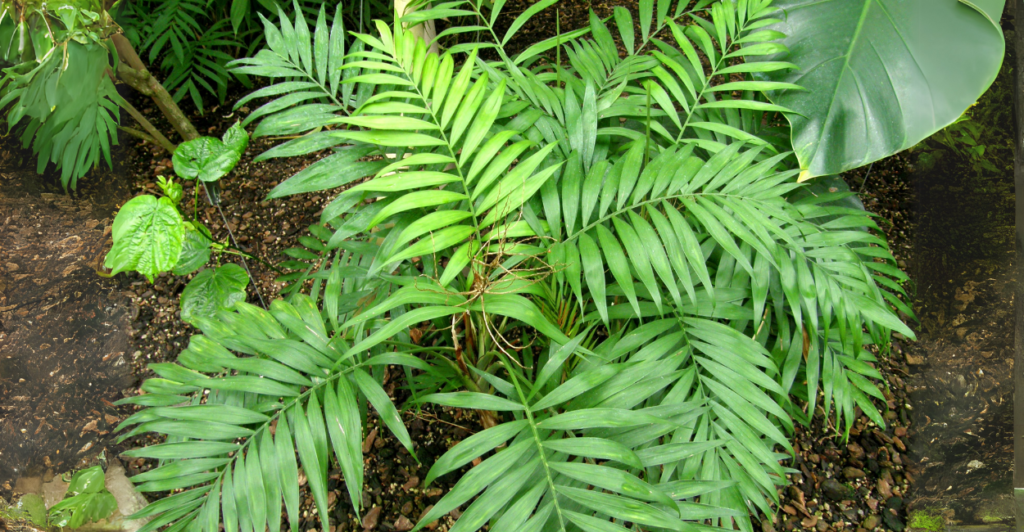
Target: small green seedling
{"type": "Point", "coordinates": [87, 500]}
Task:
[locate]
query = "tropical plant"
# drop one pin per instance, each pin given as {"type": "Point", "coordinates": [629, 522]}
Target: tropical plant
{"type": "Point", "coordinates": [151, 235]}
{"type": "Point", "coordinates": [60, 91]}
{"type": "Point", "coordinates": [607, 258]}
{"type": "Point", "coordinates": [193, 40]}
{"type": "Point", "coordinates": [600, 258]}
{"type": "Point", "coordinates": [86, 500]}
{"type": "Point", "coordinates": [874, 91]}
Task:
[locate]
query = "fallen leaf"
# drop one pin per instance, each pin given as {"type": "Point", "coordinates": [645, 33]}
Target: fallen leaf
{"type": "Point", "coordinates": [809, 522]}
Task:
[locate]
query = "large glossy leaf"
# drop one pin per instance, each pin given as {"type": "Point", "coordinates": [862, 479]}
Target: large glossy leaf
{"type": "Point", "coordinates": [147, 236]}
{"type": "Point", "coordinates": [880, 75]}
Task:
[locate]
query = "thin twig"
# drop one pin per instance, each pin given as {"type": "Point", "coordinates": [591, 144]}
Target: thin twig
{"type": "Point", "coordinates": [231, 235]}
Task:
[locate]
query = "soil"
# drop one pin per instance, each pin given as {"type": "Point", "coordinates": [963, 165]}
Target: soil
{"type": "Point", "coordinates": [63, 329]}
{"type": "Point", "coordinates": [872, 482]}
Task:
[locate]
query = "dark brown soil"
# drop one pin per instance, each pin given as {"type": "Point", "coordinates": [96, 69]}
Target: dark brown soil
{"type": "Point", "coordinates": [63, 328]}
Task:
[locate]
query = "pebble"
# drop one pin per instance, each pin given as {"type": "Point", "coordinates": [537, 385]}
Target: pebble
{"type": "Point", "coordinates": [883, 488]}
{"type": "Point", "coordinates": [870, 522]}
{"type": "Point", "coordinates": [370, 519]}
{"type": "Point", "coordinates": [836, 491]}
{"type": "Point", "coordinates": [853, 473]}
{"type": "Point", "coordinates": [433, 524]}
{"type": "Point", "coordinates": [403, 524]}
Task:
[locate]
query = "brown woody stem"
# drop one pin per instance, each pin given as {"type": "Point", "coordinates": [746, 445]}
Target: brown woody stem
{"type": "Point", "coordinates": [132, 71]}
{"type": "Point", "coordinates": [152, 134]}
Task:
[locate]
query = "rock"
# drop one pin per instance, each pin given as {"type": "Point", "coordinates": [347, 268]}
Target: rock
{"type": "Point", "coordinates": [822, 526]}
{"type": "Point", "coordinates": [403, 524]}
{"type": "Point", "coordinates": [856, 451]}
{"type": "Point", "coordinates": [370, 519]}
{"type": "Point", "coordinates": [836, 491]}
{"type": "Point", "coordinates": [809, 522]}
{"type": "Point", "coordinates": [893, 521]}
{"type": "Point", "coordinates": [915, 360]}
{"type": "Point", "coordinates": [870, 522]}
{"type": "Point", "coordinates": [129, 500]}
{"type": "Point", "coordinates": [883, 489]}
{"type": "Point", "coordinates": [901, 432]}
{"type": "Point", "coordinates": [412, 483]}
{"type": "Point", "coordinates": [852, 473]}
{"type": "Point", "coordinates": [407, 508]}
{"type": "Point", "coordinates": [29, 485]}
{"type": "Point", "coordinates": [899, 445]}
{"type": "Point", "coordinates": [433, 524]}
{"type": "Point", "coordinates": [873, 465]}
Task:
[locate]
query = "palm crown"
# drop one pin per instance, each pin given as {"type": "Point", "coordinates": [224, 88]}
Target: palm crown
{"type": "Point", "coordinates": [607, 256]}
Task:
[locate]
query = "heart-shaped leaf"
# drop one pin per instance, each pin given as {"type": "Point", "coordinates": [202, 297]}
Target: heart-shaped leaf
{"type": "Point", "coordinates": [147, 236]}
{"type": "Point", "coordinates": [195, 251]}
{"type": "Point", "coordinates": [210, 159]}
{"type": "Point", "coordinates": [213, 289]}
{"type": "Point", "coordinates": [881, 75]}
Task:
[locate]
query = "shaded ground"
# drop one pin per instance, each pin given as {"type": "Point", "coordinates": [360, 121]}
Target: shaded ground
{"type": "Point", "coordinates": [963, 267]}
{"type": "Point", "coordinates": [63, 329]}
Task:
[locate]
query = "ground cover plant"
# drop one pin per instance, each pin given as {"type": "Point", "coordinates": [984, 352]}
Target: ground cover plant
{"type": "Point", "coordinates": [607, 257]}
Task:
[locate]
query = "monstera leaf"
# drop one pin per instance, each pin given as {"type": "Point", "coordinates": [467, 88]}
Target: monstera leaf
{"type": "Point", "coordinates": [213, 289]}
{"type": "Point", "coordinates": [147, 236]}
{"type": "Point", "coordinates": [210, 159]}
{"type": "Point", "coordinates": [880, 75]}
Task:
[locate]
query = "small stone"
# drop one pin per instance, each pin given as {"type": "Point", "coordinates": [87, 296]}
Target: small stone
{"type": "Point", "coordinates": [870, 522]}
{"type": "Point", "coordinates": [809, 522]}
{"type": "Point", "coordinates": [852, 473]}
{"type": "Point", "coordinates": [884, 489]}
{"type": "Point", "coordinates": [915, 360]}
{"type": "Point", "coordinates": [370, 519]}
{"type": "Point", "coordinates": [836, 491]}
{"type": "Point", "coordinates": [407, 507]}
{"type": "Point", "coordinates": [433, 524]}
{"type": "Point", "coordinates": [822, 526]}
{"type": "Point", "coordinates": [899, 444]}
{"type": "Point", "coordinates": [12, 267]}
{"type": "Point", "coordinates": [856, 451]}
{"type": "Point", "coordinates": [901, 432]}
{"type": "Point", "coordinates": [403, 524]}
{"type": "Point", "coordinates": [412, 483]}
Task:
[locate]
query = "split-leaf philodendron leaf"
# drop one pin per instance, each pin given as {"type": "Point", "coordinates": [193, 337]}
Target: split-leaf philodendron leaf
{"type": "Point", "coordinates": [147, 233]}
{"type": "Point", "coordinates": [880, 75]}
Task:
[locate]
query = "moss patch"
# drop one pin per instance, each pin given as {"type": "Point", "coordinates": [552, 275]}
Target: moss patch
{"type": "Point", "coordinates": [930, 519]}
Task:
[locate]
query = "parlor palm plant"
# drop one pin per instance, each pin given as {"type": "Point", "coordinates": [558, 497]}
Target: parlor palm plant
{"type": "Point", "coordinates": [608, 257]}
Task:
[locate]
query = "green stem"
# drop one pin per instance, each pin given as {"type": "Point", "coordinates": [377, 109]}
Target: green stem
{"type": "Point", "coordinates": [538, 442]}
